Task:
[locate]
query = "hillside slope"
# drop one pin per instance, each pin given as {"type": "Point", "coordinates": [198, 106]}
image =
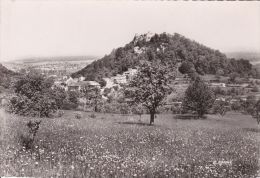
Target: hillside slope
{"type": "Point", "coordinates": [176, 48]}
{"type": "Point", "coordinates": [6, 76]}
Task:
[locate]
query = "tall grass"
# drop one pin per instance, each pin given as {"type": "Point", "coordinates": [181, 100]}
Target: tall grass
{"type": "Point", "coordinates": [114, 147]}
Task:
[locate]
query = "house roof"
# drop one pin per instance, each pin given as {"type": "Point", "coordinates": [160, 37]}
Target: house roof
{"type": "Point", "coordinates": [82, 83]}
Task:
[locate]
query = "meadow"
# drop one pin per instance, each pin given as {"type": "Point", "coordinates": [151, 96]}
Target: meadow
{"type": "Point", "coordinates": [113, 145]}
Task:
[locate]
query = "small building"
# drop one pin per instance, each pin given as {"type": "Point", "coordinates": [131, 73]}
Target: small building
{"type": "Point", "coordinates": [77, 86]}
{"type": "Point", "coordinates": [243, 85]}
{"type": "Point", "coordinates": [221, 99]}
{"type": "Point", "coordinates": [218, 84]}
{"type": "Point", "coordinates": [120, 79]}
{"type": "Point", "coordinates": [130, 72]}
{"type": "Point", "coordinates": [82, 78]}
{"type": "Point", "coordinates": [109, 83]}
{"type": "Point", "coordinates": [93, 83]}
{"type": "Point", "coordinates": [232, 101]}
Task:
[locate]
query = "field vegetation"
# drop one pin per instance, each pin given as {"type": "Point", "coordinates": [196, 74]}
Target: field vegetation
{"type": "Point", "coordinates": [111, 145]}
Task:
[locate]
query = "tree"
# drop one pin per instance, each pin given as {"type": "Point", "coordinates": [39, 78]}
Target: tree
{"type": "Point", "coordinates": [187, 67]}
{"type": "Point", "coordinates": [93, 96]}
{"type": "Point", "coordinates": [102, 83]}
{"type": "Point", "coordinates": [219, 73]}
{"type": "Point", "coordinates": [150, 86]}
{"type": "Point", "coordinates": [71, 101]}
{"type": "Point", "coordinates": [198, 97]}
{"type": "Point", "coordinates": [256, 113]}
{"type": "Point", "coordinates": [249, 104]}
{"type": "Point", "coordinates": [59, 94]}
{"type": "Point", "coordinates": [33, 96]}
{"type": "Point", "coordinates": [233, 77]}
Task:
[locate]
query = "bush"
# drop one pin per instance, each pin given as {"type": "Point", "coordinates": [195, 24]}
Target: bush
{"type": "Point", "coordinates": [78, 115]}
{"type": "Point", "coordinates": [236, 106]}
{"type": "Point", "coordinates": [255, 89]}
{"type": "Point", "coordinates": [92, 116]}
{"type": "Point", "coordinates": [60, 113]}
{"type": "Point", "coordinates": [27, 140]}
{"type": "Point", "coordinates": [188, 116]}
{"type": "Point", "coordinates": [176, 109]}
{"type": "Point", "coordinates": [220, 107]}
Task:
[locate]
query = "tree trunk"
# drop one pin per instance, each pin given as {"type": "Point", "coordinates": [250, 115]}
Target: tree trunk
{"type": "Point", "coordinates": [152, 118]}
{"type": "Point", "coordinates": [258, 118]}
{"type": "Point", "coordinates": [200, 114]}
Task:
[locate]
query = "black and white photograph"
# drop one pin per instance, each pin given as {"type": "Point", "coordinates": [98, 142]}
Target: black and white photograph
{"type": "Point", "coordinates": [129, 89]}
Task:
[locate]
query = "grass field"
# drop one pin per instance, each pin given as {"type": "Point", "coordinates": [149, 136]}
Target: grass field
{"type": "Point", "coordinates": [125, 146]}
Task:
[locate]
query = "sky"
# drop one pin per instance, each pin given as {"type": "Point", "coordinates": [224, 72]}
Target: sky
{"type": "Point", "coordinates": [43, 28]}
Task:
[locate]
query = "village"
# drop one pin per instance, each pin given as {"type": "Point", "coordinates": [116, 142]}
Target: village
{"type": "Point", "coordinates": [226, 91]}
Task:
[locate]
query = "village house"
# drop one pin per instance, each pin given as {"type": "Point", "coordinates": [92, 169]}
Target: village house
{"type": "Point", "coordinates": [242, 85]}
{"type": "Point", "coordinates": [221, 99]}
{"type": "Point", "coordinates": [121, 79]}
{"type": "Point", "coordinates": [217, 84]}
{"type": "Point", "coordinates": [77, 84]}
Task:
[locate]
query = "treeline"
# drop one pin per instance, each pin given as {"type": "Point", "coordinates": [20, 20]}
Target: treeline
{"type": "Point", "coordinates": [176, 48]}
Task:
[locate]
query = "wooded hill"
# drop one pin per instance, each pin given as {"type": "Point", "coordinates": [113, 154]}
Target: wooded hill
{"type": "Point", "coordinates": [175, 48]}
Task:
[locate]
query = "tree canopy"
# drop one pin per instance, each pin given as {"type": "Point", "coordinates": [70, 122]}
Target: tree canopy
{"type": "Point", "coordinates": [33, 96]}
{"type": "Point", "coordinates": [198, 97]}
{"type": "Point", "coordinates": [150, 86]}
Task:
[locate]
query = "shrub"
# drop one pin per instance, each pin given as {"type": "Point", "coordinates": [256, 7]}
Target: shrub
{"type": "Point", "coordinates": [236, 106]}
{"type": "Point", "coordinates": [220, 107]}
{"type": "Point", "coordinates": [27, 140]}
{"type": "Point", "coordinates": [60, 113]}
{"type": "Point", "coordinates": [78, 115]}
{"type": "Point", "coordinates": [187, 116]}
{"type": "Point", "coordinates": [255, 89]}
{"type": "Point", "coordinates": [92, 116]}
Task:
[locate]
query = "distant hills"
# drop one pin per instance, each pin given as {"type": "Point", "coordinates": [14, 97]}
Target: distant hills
{"type": "Point", "coordinates": [253, 57]}
{"type": "Point", "coordinates": [175, 48]}
{"type": "Point", "coordinates": [56, 59]}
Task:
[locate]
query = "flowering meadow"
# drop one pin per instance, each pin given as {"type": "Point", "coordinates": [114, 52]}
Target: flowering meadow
{"type": "Point", "coordinates": [125, 146]}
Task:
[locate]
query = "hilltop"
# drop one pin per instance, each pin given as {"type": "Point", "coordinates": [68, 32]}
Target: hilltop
{"type": "Point", "coordinates": [175, 48]}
